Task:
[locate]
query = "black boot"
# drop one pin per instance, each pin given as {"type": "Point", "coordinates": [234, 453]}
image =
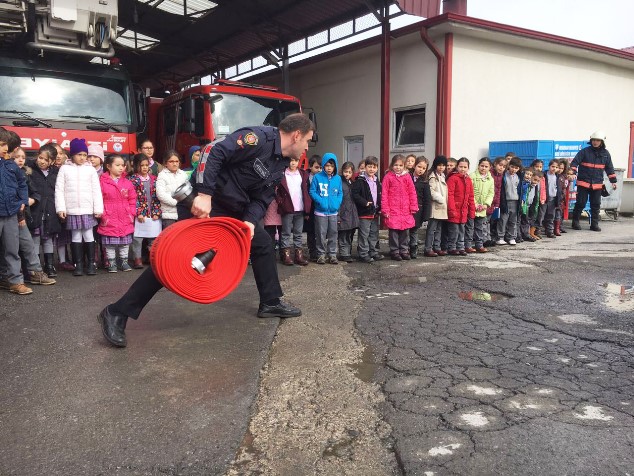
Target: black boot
{"type": "Point", "coordinates": [413, 252]}
{"type": "Point", "coordinates": [594, 219]}
{"type": "Point", "coordinates": [575, 223]}
{"type": "Point", "coordinates": [77, 250]}
{"type": "Point", "coordinates": [49, 268]}
{"type": "Point", "coordinates": [113, 327]}
{"type": "Point", "coordinates": [91, 267]}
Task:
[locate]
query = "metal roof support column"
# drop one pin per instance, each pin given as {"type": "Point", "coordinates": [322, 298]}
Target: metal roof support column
{"type": "Point", "coordinates": [385, 93]}
{"type": "Point", "coordinates": [285, 71]}
{"type": "Point", "coordinates": [440, 89]}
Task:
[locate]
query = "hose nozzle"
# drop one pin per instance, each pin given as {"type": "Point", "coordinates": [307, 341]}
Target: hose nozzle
{"type": "Point", "coordinates": [202, 260]}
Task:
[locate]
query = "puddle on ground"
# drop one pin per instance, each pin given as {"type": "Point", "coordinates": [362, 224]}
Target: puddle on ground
{"type": "Point", "coordinates": [480, 296]}
{"type": "Point", "coordinates": [619, 297]}
{"type": "Point", "coordinates": [365, 368]}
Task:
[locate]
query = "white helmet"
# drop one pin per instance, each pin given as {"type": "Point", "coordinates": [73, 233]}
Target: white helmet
{"type": "Point", "coordinates": [598, 135]}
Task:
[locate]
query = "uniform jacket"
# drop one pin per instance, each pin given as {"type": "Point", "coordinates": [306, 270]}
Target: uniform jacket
{"type": "Point", "coordinates": [43, 211]}
{"type": "Point", "coordinates": [143, 208]}
{"type": "Point", "coordinates": [119, 200]}
{"type": "Point", "coordinates": [77, 190]}
{"type": "Point", "coordinates": [399, 201]}
{"type": "Point", "coordinates": [13, 189]}
{"type": "Point", "coordinates": [361, 195]}
{"type": "Point", "coordinates": [460, 202]}
{"type": "Point", "coordinates": [589, 165]}
{"type": "Point", "coordinates": [438, 190]}
{"type": "Point", "coordinates": [423, 198]}
{"type": "Point", "coordinates": [483, 191]}
{"type": "Point", "coordinates": [166, 183]}
{"type": "Point", "coordinates": [241, 172]}
{"type": "Point", "coordinates": [348, 216]}
{"type": "Point", "coordinates": [283, 196]}
{"type": "Point", "coordinates": [326, 191]}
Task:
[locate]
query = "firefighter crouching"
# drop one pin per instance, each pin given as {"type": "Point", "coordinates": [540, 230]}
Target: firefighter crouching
{"type": "Point", "coordinates": [589, 165]}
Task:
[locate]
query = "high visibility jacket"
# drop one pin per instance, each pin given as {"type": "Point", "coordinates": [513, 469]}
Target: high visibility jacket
{"type": "Point", "coordinates": [589, 165]}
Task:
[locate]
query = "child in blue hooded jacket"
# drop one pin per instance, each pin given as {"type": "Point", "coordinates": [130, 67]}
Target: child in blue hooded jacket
{"type": "Point", "coordinates": [327, 193]}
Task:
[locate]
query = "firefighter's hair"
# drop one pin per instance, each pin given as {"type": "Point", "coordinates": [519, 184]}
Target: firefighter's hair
{"type": "Point", "coordinates": [296, 122]}
{"type": "Point", "coordinates": [14, 141]}
{"type": "Point", "coordinates": [4, 136]}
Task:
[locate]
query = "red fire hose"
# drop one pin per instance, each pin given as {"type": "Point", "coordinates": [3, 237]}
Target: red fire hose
{"type": "Point", "coordinates": [172, 252]}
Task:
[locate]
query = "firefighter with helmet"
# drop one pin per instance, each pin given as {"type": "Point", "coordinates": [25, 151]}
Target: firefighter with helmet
{"type": "Point", "coordinates": [589, 165]}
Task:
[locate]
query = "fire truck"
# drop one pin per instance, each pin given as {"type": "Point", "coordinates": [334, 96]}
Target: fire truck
{"type": "Point", "coordinates": [49, 89]}
{"type": "Point", "coordinates": [202, 114]}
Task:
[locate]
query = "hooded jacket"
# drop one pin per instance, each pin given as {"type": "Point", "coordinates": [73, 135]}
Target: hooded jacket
{"type": "Point", "coordinates": [483, 191]}
{"type": "Point", "coordinates": [398, 201]}
{"type": "Point", "coordinates": [166, 183]}
{"type": "Point", "coordinates": [326, 192]}
{"type": "Point", "coordinates": [460, 202]}
{"type": "Point", "coordinates": [119, 212]}
{"type": "Point", "coordinates": [423, 196]}
{"type": "Point", "coordinates": [348, 216]}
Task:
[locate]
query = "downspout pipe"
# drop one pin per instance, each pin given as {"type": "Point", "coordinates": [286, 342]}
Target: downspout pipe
{"type": "Point", "coordinates": [440, 89]}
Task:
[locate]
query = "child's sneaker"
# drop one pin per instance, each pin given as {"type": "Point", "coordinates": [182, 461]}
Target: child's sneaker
{"type": "Point", "coordinates": [333, 260]}
{"type": "Point", "coordinates": [321, 259]}
{"type": "Point", "coordinates": [112, 267]}
{"type": "Point", "coordinates": [501, 242]}
{"type": "Point", "coordinates": [20, 289]}
{"type": "Point", "coordinates": [39, 277]}
{"type": "Point", "coordinates": [125, 266]}
{"type": "Point", "coordinates": [512, 242]}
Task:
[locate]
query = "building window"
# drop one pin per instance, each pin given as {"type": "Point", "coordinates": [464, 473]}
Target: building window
{"type": "Point", "coordinates": [409, 128]}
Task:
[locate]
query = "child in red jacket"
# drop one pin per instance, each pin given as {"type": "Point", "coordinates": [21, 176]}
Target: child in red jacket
{"type": "Point", "coordinates": [117, 221]}
{"type": "Point", "coordinates": [398, 205]}
{"type": "Point", "coordinates": [460, 206]}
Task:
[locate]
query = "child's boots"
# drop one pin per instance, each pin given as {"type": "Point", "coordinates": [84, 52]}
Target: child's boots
{"type": "Point", "coordinates": [285, 254]}
{"type": "Point", "coordinates": [557, 231]}
{"type": "Point", "coordinates": [413, 252]}
{"type": "Point", "coordinates": [77, 250]}
{"type": "Point", "coordinates": [299, 257]}
{"type": "Point", "coordinates": [534, 235]}
{"type": "Point", "coordinates": [91, 267]}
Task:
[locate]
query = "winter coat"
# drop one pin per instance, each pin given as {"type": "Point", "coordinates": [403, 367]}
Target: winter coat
{"type": "Point", "coordinates": [43, 211]}
{"type": "Point", "coordinates": [460, 202]}
{"type": "Point", "coordinates": [77, 190]}
{"type": "Point", "coordinates": [497, 187]}
{"type": "Point", "coordinates": [142, 207]}
{"type": "Point", "coordinates": [503, 203]}
{"type": "Point", "coordinates": [589, 165]}
{"type": "Point", "coordinates": [438, 190]}
{"type": "Point", "coordinates": [13, 189]}
{"type": "Point", "coordinates": [348, 216]}
{"type": "Point", "coordinates": [326, 191]}
{"type": "Point", "coordinates": [423, 196]}
{"type": "Point", "coordinates": [483, 191]}
{"type": "Point", "coordinates": [361, 195]}
{"type": "Point", "coordinates": [559, 195]}
{"type": "Point", "coordinates": [166, 183]}
{"type": "Point", "coordinates": [398, 201]}
{"type": "Point", "coordinates": [119, 213]}
{"type": "Point", "coordinates": [283, 196]}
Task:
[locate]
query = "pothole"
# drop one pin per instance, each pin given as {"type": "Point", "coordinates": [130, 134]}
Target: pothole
{"type": "Point", "coordinates": [481, 296]}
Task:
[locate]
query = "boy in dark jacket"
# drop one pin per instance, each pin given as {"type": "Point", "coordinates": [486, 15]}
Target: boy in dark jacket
{"type": "Point", "coordinates": [13, 199]}
{"type": "Point", "coordinates": [366, 193]}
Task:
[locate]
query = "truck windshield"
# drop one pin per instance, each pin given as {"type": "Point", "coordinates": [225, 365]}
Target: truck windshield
{"type": "Point", "coordinates": [48, 95]}
{"type": "Point", "coordinates": [233, 112]}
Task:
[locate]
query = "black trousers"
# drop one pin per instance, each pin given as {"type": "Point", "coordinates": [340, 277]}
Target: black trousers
{"type": "Point", "coordinates": [582, 199]}
{"type": "Point", "coordinates": [262, 262]}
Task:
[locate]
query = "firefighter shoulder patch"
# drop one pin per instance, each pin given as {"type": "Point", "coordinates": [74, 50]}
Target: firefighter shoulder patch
{"type": "Point", "coordinates": [251, 139]}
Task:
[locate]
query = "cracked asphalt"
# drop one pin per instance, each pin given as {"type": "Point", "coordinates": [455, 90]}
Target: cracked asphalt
{"type": "Point", "coordinates": [534, 375]}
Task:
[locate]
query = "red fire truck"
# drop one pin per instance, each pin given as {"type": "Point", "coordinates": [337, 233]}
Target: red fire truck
{"type": "Point", "coordinates": [203, 114]}
{"type": "Point", "coordinates": [44, 102]}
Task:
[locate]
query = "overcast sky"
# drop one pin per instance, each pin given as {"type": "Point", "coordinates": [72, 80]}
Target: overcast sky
{"type": "Point", "coordinates": [604, 22]}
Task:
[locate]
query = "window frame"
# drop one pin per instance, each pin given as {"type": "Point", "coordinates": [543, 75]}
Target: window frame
{"type": "Point", "coordinates": [395, 130]}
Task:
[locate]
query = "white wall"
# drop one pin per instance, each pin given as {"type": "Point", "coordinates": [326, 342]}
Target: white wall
{"type": "Point", "coordinates": [506, 92]}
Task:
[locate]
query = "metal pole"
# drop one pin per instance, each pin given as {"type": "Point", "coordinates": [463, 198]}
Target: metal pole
{"type": "Point", "coordinates": [385, 94]}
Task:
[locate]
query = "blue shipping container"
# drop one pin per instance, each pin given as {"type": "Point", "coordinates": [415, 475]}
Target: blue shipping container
{"type": "Point", "coordinates": [527, 150]}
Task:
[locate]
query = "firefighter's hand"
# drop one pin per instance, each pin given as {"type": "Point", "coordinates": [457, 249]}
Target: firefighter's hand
{"type": "Point", "coordinates": [251, 227]}
{"type": "Point", "coordinates": [201, 206]}
{"type": "Point", "coordinates": [613, 186]}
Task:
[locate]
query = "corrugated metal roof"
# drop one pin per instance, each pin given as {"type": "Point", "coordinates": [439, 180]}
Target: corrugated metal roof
{"type": "Point", "coordinates": [218, 35]}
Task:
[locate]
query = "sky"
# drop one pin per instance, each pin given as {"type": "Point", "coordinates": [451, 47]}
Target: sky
{"type": "Point", "coordinates": [604, 22]}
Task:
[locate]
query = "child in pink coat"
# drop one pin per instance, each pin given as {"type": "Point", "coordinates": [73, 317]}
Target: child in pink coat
{"type": "Point", "coordinates": [398, 205]}
{"type": "Point", "coordinates": [117, 222]}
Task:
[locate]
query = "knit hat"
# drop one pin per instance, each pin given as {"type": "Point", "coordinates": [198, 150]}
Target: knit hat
{"type": "Point", "coordinates": [77, 146]}
{"type": "Point", "coordinates": [96, 150]}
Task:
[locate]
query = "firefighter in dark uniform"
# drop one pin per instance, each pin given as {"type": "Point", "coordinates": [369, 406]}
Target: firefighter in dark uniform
{"type": "Point", "coordinates": [589, 165]}
{"type": "Point", "coordinates": [238, 175]}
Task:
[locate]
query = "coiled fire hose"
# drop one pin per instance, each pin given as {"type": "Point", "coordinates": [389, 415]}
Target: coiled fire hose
{"type": "Point", "coordinates": [202, 259]}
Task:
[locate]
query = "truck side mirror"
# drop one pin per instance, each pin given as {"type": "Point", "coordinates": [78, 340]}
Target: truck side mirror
{"type": "Point", "coordinates": [141, 111]}
{"type": "Point", "coordinates": [313, 117]}
{"type": "Point", "coordinates": [189, 114]}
